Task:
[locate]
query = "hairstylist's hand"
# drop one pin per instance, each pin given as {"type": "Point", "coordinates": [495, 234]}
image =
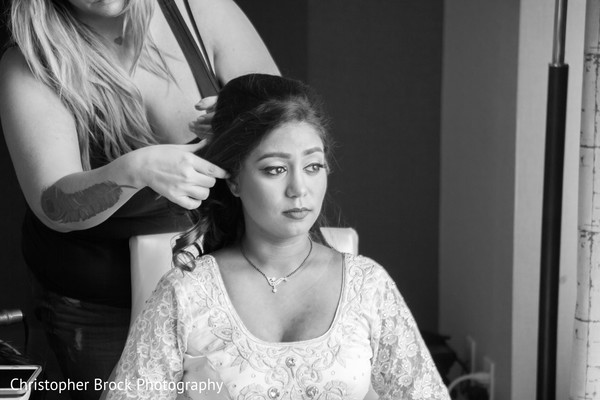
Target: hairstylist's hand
{"type": "Point", "coordinates": [175, 172]}
{"type": "Point", "coordinates": [201, 126]}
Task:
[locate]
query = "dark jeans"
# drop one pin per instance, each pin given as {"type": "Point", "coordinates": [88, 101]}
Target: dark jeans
{"type": "Point", "coordinates": [87, 339]}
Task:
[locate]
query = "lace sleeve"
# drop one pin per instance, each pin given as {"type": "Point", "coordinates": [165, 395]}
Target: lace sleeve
{"type": "Point", "coordinates": [402, 367]}
{"type": "Point", "coordinates": [151, 364]}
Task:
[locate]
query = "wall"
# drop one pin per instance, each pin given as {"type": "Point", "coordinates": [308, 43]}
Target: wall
{"type": "Point", "coordinates": [496, 57]}
{"type": "Point", "coordinates": [477, 176]}
{"type": "Point", "coordinates": [377, 64]}
{"type": "Point", "coordinates": [283, 26]}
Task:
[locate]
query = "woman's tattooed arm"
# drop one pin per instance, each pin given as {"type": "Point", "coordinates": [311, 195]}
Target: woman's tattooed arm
{"type": "Point", "coordinates": [82, 205]}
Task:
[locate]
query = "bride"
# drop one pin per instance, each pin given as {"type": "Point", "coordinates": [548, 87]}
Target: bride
{"type": "Point", "coordinates": [265, 309]}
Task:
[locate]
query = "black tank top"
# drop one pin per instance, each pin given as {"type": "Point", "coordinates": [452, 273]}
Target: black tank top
{"type": "Point", "coordinates": [94, 264]}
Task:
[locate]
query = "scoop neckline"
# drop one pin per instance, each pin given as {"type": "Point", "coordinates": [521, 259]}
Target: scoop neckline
{"type": "Point", "coordinates": [240, 323]}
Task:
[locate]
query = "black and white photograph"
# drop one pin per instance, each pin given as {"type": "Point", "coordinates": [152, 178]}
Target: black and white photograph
{"type": "Point", "coordinates": [300, 199]}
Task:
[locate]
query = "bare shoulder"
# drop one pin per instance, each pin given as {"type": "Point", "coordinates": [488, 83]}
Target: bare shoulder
{"type": "Point", "coordinates": [17, 79]}
{"type": "Point", "coordinates": [219, 19]}
{"type": "Point", "coordinates": [231, 37]}
{"type": "Point", "coordinates": [23, 94]}
{"type": "Point", "coordinates": [13, 65]}
{"type": "Point", "coordinates": [327, 255]}
{"type": "Point", "coordinates": [215, 12]}
{"type": "Point", "coordinates": [227, 258]}
{"type": "Point", "coordinates": [12, 56]}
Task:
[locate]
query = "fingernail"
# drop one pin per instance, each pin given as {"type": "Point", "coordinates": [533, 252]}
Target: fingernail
{"type": "Point", "coordinates": [200, 108]}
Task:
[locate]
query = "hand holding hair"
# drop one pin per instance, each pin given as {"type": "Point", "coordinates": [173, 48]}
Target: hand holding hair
{"type": "Point", "coordinates": [202, 125]}
{"type": "Point", "coordinates": [207, 104]}
{"type": "Point", "coordinates": [175, 172]}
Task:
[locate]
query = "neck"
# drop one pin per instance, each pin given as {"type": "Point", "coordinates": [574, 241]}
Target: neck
{"type": "Point", "coordinates": [276, 258]}
{"type": "Point", "coordinates": [110, 27]}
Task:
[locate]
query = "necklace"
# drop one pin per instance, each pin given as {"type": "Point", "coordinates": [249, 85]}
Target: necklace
{"type": "Point", "coordinates": [274, 281]}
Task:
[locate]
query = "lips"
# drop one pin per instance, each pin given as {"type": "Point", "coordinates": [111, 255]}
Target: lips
{"type": "Point", "coordinates": [297, 213]}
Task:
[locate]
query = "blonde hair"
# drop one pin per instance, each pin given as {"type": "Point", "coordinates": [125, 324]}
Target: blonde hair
{"type": "Point", "coordinates": [76, 63]}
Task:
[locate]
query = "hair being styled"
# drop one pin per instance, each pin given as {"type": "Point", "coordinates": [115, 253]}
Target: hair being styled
{"type": "Point", "coordinates": [73, 60]}
{"type": "Point", "coordinates": [249, 107]}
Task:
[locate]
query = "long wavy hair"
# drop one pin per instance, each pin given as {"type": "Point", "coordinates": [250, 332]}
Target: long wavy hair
{"type": "Point", "coordinates": [249, 107]}
{"type": "Point", "coordinates": [76, 63]}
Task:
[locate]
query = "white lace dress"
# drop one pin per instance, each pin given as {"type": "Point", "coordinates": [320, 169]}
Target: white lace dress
{"type": "Point", "coordinates": [189, 342]}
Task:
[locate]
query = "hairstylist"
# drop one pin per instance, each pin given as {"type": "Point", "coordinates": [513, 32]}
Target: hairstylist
{"type": "Point", "coordinates": [98, 108]}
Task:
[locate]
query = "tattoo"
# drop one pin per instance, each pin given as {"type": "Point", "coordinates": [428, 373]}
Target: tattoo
{"type": "Point", "coordinates": [81, 205]}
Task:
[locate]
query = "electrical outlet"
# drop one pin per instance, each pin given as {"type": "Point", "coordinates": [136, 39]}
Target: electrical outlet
{"type": "Point", "coordinates": [490, 368]}
{"type": "Point", "coordinates": [472, 349]}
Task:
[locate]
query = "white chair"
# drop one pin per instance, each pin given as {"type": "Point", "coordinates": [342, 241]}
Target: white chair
{"type": "Point", "coordinates": [151, 259]}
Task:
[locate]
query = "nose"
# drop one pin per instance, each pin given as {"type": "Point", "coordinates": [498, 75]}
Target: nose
{"type": "Point", "coordinates": [296, 186]}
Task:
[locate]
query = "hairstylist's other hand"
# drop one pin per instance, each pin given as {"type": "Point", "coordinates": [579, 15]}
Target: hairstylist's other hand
{"type": "Point", "coordinates": [175, 172]}
{"type": "Point", "coordinates": [202, 125]}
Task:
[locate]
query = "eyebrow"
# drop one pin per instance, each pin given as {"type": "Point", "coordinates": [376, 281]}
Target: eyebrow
{"type": "Point", "coordinates": [277, 154]}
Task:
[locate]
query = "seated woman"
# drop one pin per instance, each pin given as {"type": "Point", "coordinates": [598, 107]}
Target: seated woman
{"type": "Point", "coordinates": [269, 311]}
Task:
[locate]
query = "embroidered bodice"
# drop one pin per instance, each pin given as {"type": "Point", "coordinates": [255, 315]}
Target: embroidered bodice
{"type": "Point", "coordinates": [189, 342]}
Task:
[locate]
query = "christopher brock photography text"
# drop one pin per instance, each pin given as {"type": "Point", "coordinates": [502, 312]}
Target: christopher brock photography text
{"type": "Point", "coordinates": [127, 385]}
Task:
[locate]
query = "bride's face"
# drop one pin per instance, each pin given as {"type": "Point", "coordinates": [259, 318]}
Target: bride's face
{"type": "Point", "coordinates": [283, 181]}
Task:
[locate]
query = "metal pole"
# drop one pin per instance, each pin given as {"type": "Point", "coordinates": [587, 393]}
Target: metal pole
{"type": "Point", "coordinates": [560, 25]}
{"type": "Point", "coordinates": [552, 209]}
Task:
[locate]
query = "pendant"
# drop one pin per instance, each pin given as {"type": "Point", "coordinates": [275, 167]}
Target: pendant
{"type": "Point", "coordinates": [274, 282]}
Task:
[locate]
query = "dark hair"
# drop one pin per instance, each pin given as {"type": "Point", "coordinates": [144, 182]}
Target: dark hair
{"type": "Point", "coordinates": [249, 107]}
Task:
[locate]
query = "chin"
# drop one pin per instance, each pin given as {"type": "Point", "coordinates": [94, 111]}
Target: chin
{"type": "Point", "coordinates": [297, 229]}
{"type": "Point", "coordinates": [108, 8]}
{"type": "Point", "coordinates": [114, 8]}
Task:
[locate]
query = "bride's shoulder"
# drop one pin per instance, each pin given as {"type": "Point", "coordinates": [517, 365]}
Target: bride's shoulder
{"type": "Point", "coordinates": [367, 265]}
